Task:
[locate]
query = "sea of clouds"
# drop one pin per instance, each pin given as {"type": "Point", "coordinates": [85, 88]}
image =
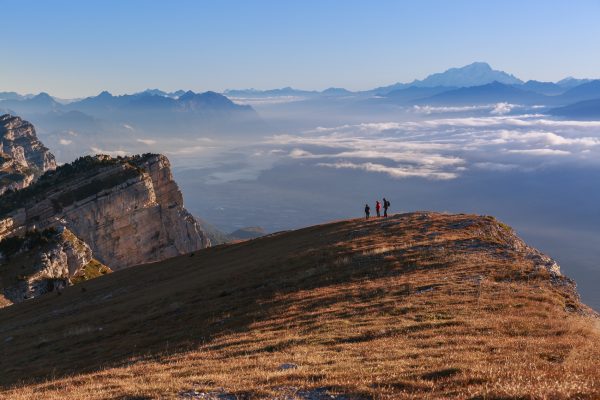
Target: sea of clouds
{"type": "Point", "coordinates": [445, 148]}
{"type": "Point", "coordinates": [434, 143]}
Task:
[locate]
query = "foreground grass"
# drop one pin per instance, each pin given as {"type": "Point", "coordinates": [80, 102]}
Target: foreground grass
{"type": "Point", "coordinates": [417, 306]}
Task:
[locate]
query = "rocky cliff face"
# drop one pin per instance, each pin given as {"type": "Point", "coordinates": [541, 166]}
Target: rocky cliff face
{"type": "Point", "coordinates": [59, 225]}
{"type": "Point", "coordinates": [23, 157]}
{"type": "Point", "coordinates": [128, 210]}
{"type": "Point", "coordinates": [42, 262]}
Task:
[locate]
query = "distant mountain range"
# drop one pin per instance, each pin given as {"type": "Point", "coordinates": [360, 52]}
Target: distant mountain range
{"type": "Point", "coordinates": [530, 93]}
{"type": "Point", "coordinates": [475, 74]}
{"type": "Point", "coordinates": [545, 88]}
{"type": "Point", "coordinates": [585, 91]}
{"type": "Point", "coordinates": [217, 236]}
{"type": "Point", "coordinates": [413, 93]}
{"type": "Point", "coordinates": [286, 91]}
{"type": "Point", "coordinates": [207, 102]}
{"type": "Point", "coordinates": [12, 96]}
{"type": "Point", "coordinates": [571, 82]}
{"type": "Point", "coordinates": [485, 94]}
{"type": "Point", "coordinates": [587, 109]}
{"type": "Point", "coordinates": [476, 83]}
{"type": "Point", "coordinates": [153, 111]}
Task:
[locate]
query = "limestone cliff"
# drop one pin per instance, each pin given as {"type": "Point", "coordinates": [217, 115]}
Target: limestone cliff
{"type": "Point", "coordinates": [42, 262]}
{"type": "Point", "coordinates": [128, 210]}
{"type": "Point", "coordinates": [23, 157]}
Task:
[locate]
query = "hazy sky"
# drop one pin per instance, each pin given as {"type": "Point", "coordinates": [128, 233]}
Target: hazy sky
{"type": "Point", "coordinates": [78, 48]}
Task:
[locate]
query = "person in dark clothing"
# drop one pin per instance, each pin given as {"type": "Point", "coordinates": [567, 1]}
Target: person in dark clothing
{"type": "Point", "coordinates": [367, 211]}
{"type": "Point", "coordinates": [378, 208]}
{"type": "Point", "coordinates": [386, 205]}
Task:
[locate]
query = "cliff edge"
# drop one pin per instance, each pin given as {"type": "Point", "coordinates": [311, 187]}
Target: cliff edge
{"type": "Point", "coordinates": [129, 210]}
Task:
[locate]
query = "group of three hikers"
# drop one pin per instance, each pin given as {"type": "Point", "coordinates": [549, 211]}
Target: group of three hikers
{"type": "Point", "coordinates": [386, 205]}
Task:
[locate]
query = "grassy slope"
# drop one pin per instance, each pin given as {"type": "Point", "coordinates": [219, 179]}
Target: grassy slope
{"type": "Point", "coordinates": [92, 270]}
{"type": "Point", "coordinates": [12, 273]}
{"type": "Point", "coordinates": [419, 305]}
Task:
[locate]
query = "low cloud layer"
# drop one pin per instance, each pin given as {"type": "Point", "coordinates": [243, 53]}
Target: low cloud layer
{"type": "Point", "coordinates": [148, 142]}
{"type": "Point", "coordinates": [112, 153]}
{"type": "Point", "coordinates": [446, 148]}
{"type": "Point", "coordinates": [419, 146]}
{"type": "Point", "coordinates": [395, 172]}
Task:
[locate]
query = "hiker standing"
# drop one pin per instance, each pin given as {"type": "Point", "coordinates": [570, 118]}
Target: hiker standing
{"type": "Point", "coordinates": [386, 205]}
{"type": "Point", "coordinates": [378, 208]}
{"type": "Point", "coordinates": [367, 211]}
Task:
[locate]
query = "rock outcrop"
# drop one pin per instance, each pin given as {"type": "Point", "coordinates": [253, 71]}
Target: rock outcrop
{"type": "Point", "coordinates": [128, 210]}
{"type": "Point", "coordinates": [41, 262]}
{"type": "Point", "coordinates": [23, 158]}
{"type": "Point", "coordinates": [59, 226]}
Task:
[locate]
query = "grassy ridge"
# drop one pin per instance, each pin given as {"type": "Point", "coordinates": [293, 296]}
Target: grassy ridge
{"type": "Point", "coordinates": [416, 306]}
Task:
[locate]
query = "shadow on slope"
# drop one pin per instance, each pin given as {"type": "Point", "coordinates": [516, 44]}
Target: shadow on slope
{"type": "Point", "coordinates": [292, 281]}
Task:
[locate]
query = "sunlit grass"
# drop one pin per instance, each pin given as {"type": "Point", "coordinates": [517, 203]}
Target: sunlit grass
{"type": "Point", "coordinates": [359, 310]}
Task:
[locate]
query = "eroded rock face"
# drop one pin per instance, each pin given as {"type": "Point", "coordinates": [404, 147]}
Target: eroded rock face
{"type": "Point", "coordinates": [128, 210]}
{"type": "Point", "coordinates": [115, 211]}
{"type": "Point", "coordinates": [141, 220]}
{"type": "Point", "coordinates": [23, 157]}
{"type": "Point", "coordinates": [41, 262]}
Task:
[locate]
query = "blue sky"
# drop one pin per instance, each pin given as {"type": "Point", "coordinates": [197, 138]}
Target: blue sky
{"type": "Point", "coordinates": [78, 48]}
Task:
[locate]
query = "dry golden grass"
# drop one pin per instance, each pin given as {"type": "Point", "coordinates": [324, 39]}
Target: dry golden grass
{"type": "Point", "coordinates": [92, 270]}
{"type": "Point", "coordinates": [415, 306]}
